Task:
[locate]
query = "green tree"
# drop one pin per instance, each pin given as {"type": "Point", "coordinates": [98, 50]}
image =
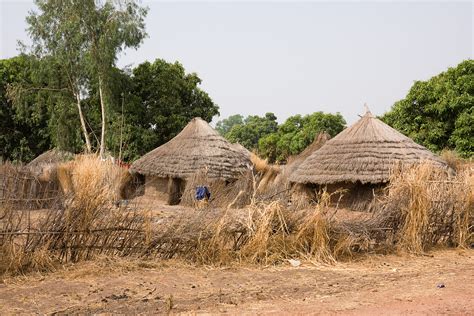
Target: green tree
{"type": "Point", "coordinates": [224, 126]}
{"type": "Point", "coordinates": [84, 38]}
{"type": "Point", "coordinates": [253, 128]}
{"type": "Point", "coordinates": [110, 27]}
{"type": "Point", "coordinates": [148, 106]}
{"type": "Point", "coordinates": [296, 133]}
{"type": "Point", "coordinates": [438, 113]}
{"type": "Point", "coordinates": [24, 128]}
{"type": "Point", "coordinates": [159, 100]}
{"type": "Point", "coordinates": [57, 32]}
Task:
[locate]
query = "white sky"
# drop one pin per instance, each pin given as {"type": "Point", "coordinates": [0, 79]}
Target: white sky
{"type": "Point", "coordinates": [290, 58]}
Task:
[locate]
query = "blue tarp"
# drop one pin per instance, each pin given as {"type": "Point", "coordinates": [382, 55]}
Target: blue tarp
{"type": "Point", "coordinates": [202, 192]}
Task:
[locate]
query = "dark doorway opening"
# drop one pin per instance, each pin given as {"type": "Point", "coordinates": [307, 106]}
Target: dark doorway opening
{"type": "Point", "coordinates": [175, 190]}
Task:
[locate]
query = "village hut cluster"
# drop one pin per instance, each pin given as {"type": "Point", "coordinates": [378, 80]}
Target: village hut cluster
{"type": "Point", "coordinates": [356, 164]}
{"type": "Point", "coordinates": [256, 212]}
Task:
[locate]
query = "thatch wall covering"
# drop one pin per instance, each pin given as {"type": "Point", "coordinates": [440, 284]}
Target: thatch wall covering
{"type": "Point", "coordinates": [356, 196]}
{"type": "Point", "coordinates": [365, 152]}
{"type": "Point", "coordinates": [197, 147]}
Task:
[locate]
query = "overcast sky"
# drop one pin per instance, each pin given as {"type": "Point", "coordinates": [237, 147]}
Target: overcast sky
{"type": "Point", "coordinates": [290, 58]}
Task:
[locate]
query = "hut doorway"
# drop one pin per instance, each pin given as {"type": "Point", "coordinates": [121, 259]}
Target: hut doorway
{"type": "Point", "coordinates": [175, 190]}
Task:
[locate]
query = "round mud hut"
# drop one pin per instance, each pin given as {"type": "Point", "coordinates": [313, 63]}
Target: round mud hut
{"type": "Point", "coordinates": [360, 160]}
{"type": "Point", "coordinates": [197, 149]}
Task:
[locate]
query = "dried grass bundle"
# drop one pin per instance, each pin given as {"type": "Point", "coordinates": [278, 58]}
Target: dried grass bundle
{"type": "Point", "coordinates": [416, 210]}
{"type": "Point", "coordinates": [426, 206]}
{"type": "Point", "coordinates": [259, 164]}
{"type": "Point", "coordinates": [313, 234]}
{"type": "Point", "coordinates": [267, 230]}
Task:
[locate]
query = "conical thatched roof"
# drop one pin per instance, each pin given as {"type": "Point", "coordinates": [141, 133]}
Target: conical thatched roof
{"type": "Point", "coordinates": [52, 156]}
{"type": "Point", "coordinates": [364, 152]}
{"type": "Point", "coordinates": [198, 146]}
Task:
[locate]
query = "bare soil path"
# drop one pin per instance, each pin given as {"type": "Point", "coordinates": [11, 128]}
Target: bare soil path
{"type": "Point", "coordinates": [389, 285]}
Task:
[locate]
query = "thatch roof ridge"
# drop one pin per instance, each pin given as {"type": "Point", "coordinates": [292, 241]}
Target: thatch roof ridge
{"type": "Point", "coordinates": [364, 152]}
{"type": "Point", "coordinates": [198, 146]}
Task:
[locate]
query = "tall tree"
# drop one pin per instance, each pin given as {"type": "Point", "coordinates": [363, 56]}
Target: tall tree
{"type": "Point", "coordinates": [439, 113]}
{"type": "Point", "coordinates": [85, 38]}
{"type": "Point", "coordinates": [56, 31]}
{"type": "Point", "coordinates": [110, 27]}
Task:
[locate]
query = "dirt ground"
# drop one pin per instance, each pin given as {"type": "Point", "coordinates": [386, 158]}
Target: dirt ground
{"type": "Point", "coordinates": [441, 282]}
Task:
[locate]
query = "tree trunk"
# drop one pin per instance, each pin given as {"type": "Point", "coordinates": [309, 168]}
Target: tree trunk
{"type": "Point", "coordinates": [102, 108]}
{"type": "Point", "coordinates": [83, 125]}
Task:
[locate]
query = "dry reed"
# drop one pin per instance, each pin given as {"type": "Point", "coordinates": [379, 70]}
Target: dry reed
{"type": "Point", "coordinates": [313, 234]}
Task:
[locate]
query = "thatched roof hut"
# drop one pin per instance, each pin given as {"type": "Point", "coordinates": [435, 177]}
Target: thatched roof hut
{"type": "Point", "coordinates": [197, 147]}
{"type": "Point", "coordinates": [52, 156]}
{"type": "Point", "coordinates": [364, 152]}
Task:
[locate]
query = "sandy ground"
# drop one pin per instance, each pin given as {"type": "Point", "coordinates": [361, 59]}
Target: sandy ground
{"type": "Point", "coordinates": [439, 283]}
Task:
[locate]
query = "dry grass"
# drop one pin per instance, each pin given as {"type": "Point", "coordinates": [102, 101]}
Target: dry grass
{"type": "Point", "coordinates": [262, 233]}
{"type": "Point", "coordinates": [313, 235]}
{"type": "Point", "coordinates": [271, 182]}
{"type": "Point", "coordinates": [424, 207]}
{"type": "Point", "coordinates": [260, 165]}
{"type": "Point", "coordinates": [427, 207]}
{"type": "Point", "coordinates": [412, 185]}
{"type": "Point", "coordinates": [452, 159]}
{"type": "Point", "coordinates": [84, 224]}
{"type": "Point", "coordinates": [267, 231]}
{"type": "Point", "coordinates": [93, 177]}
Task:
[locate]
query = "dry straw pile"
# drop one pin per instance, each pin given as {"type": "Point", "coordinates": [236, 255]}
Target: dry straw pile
{"type": "Point", "coordinates": [235, 193]}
